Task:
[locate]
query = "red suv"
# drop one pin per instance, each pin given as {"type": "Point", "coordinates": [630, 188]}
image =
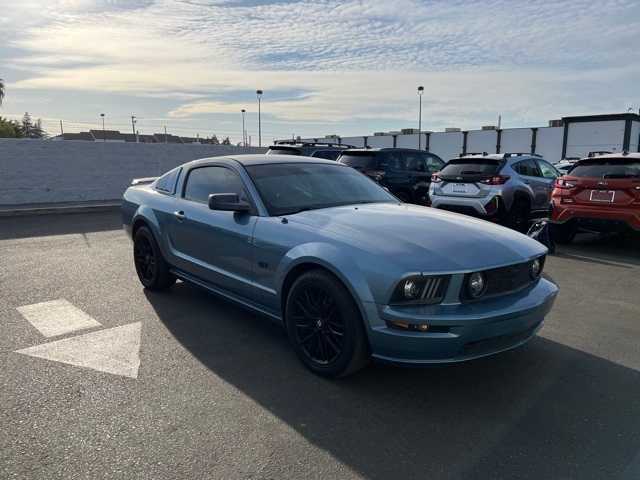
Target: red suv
{"type": "Point", "coordinates": [600, 193]}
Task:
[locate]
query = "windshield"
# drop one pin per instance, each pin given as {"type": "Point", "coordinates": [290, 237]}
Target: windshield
{"type": "Point", "coordinates": [366, 161]}
{"type": "Point", "coordinates": [607, 168]}
{"type": "Point", "coordinates": [288, 188]}
{"type": "Point", "coordinates": [470, 166]}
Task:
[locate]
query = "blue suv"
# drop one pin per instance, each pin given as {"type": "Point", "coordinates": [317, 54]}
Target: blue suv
{"type": "Point", "coordinates": [509, 187]}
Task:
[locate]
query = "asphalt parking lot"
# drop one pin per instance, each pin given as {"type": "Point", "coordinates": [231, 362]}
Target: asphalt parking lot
{"type": "Point", "coordinates": [200, 388]}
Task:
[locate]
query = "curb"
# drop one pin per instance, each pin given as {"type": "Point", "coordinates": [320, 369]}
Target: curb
{"type": "Point", "coordinates": [59, 209]}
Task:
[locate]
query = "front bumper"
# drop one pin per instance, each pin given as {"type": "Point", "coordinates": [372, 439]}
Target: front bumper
{"type": "Point", "coordinates": [463, 331]}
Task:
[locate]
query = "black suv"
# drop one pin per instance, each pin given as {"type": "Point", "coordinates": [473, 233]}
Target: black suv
{"type": "Point", "coordinates": [329, 151]}
{"type": "Point", "coordinates": [405, 172]}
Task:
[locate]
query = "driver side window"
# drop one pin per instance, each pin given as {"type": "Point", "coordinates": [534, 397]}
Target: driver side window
{"type": "Point", "coordinates": [204, 181]}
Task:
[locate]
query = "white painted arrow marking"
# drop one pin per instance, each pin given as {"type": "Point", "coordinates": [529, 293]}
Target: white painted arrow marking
{"type": "Point", "coordinates": [57, 317]}
{"type": "Point", "coordinates": [114, 350]}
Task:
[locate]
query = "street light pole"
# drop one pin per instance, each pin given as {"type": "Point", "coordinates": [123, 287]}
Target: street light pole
{"type": "Point", "coordinates": [133, 126]}
{"type": "Point", "coordinates": [244, 132]}
{"type": "Point", "coordinates": [104, 134]}
{"type": "Point", "coordinates": [420, 92]}
{"type": "Point", "coordinates": [259, 94]}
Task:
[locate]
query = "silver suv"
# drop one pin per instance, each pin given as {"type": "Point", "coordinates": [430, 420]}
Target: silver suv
{"type": "Point", "coordinates": [508, 187]}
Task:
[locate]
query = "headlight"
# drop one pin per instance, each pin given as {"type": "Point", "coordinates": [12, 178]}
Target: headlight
{"type": "Point", "coordinates": [535, 269]}
{"type": "Point", "coordinates": [420, 289]}
{"type": "Point", "coordinates": [476, 284]}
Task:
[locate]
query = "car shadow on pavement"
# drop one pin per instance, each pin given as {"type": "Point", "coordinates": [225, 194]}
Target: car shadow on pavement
{"type": "Point", "coordinates": [55, 224]}
{"type": "Point", "coordinates": [544, 411]}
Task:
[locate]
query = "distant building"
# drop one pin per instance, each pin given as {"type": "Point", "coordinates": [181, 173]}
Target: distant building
{"type": "Point", "coordinates": [107, 136]}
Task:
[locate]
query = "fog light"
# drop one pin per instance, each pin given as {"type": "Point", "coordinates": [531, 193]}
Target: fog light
{"type": "Point", "coordinates": [535, 268]}
{"type": "Point", "coordinates": [411, 289]}
{"type": "Point", "coordinates": [412, 327]}
{"type": "Point", "coordinates": [476, 284]}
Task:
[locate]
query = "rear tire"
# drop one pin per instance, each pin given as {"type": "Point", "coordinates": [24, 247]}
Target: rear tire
{"type": "Point", "coordinates": [325, 326]}
{"type": "Point", "coordinates": [517, 217]}
{"type": "Point", "coordinates": [151, 267]}
{"type": "Point", "coordinates": [563, 233]}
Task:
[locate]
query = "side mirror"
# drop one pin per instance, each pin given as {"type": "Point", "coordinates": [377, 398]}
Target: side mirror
{"type": "Point", "coordinates": [229, 202]}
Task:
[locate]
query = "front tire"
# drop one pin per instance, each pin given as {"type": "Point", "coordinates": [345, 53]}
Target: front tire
{"type": "Point", "coordinates": [152, 269]}
{"type": "Point", "coordinates": [325, 326]}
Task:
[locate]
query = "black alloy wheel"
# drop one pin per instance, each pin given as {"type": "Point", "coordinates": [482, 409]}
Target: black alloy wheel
{"type": "Point", "coordinates": [319, 327]}
{"type": "Point", "coordinates": [145, 260]}
{"type": "Point", "coordinates": [325, 326]}
{"type": "Point", "coordinates": [152, 269]}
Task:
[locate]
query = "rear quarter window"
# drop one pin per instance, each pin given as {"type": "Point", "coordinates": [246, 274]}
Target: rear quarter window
{"type": "Point", "coordinates": [167, 182]}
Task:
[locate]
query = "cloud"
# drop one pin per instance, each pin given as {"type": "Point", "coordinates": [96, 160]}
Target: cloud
{"type": "Point", "coordinates": [349, 61]}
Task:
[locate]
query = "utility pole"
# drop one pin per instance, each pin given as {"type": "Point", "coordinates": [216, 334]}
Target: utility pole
{"type": "Point", "coordinates": [104, 134]}
{"type": "Point", "coordinates": [244, 132]}
{"type": "Point", "coordinates": [259, 94]}
{"type": "Point", "coordinates": [420, 92]}
{"type": "Point", "coordinates": [165, 134]}
{"type": "Point", "coordinates": [61, 130]}
{"type": "Point", "coordinates": [133, 126]}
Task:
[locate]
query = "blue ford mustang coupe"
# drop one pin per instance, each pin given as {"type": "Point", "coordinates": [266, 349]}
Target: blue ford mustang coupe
{"type": "Point", "coordinates": [349, 271]}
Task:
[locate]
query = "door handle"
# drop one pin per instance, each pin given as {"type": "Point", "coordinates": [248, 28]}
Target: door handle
{"type": "Point", "coordinates": [179, 215]}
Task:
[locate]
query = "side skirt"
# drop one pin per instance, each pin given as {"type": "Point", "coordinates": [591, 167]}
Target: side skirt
{"type": "Point", "coordinates": [243, 302]}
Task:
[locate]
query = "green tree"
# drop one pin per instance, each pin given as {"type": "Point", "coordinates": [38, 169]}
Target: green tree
{"type": "Point", "coordinates": [214, 140]}
{"type": "Point", "coordinates": [226, 141]}
{"type": "Point", "coordinates": [9, 129]}
{"type": "Point", "coordinates": [31, 129]}
{"type": "Point", "coordinates": [2, 90]}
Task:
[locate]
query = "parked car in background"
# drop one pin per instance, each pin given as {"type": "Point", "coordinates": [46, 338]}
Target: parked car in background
{"type": "Point", "coordinates": [405, 172]}
{"type": "Point", "coordinates": [346, 269]}
{"type": "Point", "coordinates": [508, 188]}
{"type": "Point", "coordinates": [601, 193]}
{"type": "Point", "coordinates": [566, 164]}
{"type": "Point", "coordinates": [326, 150]}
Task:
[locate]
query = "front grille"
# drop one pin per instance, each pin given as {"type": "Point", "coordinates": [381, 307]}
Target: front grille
{"type": "Point", "coordinates": [503, 280]}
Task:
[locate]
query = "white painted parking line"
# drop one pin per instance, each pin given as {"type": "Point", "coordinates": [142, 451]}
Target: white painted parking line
{"type": "Point", "coordinates": [114, 350]}
{"type": "Point", "coordinates": [57, 317]}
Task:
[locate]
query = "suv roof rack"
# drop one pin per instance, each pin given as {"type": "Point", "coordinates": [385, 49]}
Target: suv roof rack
{"type": "Point", "coordinates": [312, 144]}
{"type": "Point", "coordinates": [521, 154]}
{"type": "Point", "coordinates": [595, 153]}
{"type": "Point", "coordinates": [468, 154]}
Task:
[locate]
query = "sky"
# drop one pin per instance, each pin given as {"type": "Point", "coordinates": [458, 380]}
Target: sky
{"type": "Point", "coordinates": [325, 66]}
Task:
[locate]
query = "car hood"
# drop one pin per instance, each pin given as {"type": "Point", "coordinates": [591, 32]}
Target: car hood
{"type": "Point", "coordinates": [421, 238]}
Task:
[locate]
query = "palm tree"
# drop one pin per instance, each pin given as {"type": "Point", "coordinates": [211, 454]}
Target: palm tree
{"type": "Point", "coordinates": [1, 90]}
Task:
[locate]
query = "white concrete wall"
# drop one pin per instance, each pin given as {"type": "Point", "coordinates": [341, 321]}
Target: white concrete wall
{"type": "Point", "coordinates": [355, 141]}
{"type": "Point", "coordinates": [37, 171]}
{"type": "Point", "coordinates": [585, 137]}
{"type": "Point", "coordinates": [635, 132]}
{"type": "Point", "coordinates": [410, 141]}
{"type": "Point", "coordinates": [380, 141]}
{"type": "Point", "coordinates": [515, 140]}
{"type": "Point", "coordinates": [446, 145]}
{"type": "Point", "coordinates": [479, 141]}
{"type": "Point", "coordinates": [549, 143]}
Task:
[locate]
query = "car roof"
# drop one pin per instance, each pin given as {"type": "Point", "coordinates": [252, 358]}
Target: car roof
{"type": "Point", "coordinates": [262, 159]}
{"type": "Point", "coordinates": [385, 149]}
{"type": "Point", "coordinates": [509, 157]}
{"type": "Point", "coordinates": [630, 155]}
